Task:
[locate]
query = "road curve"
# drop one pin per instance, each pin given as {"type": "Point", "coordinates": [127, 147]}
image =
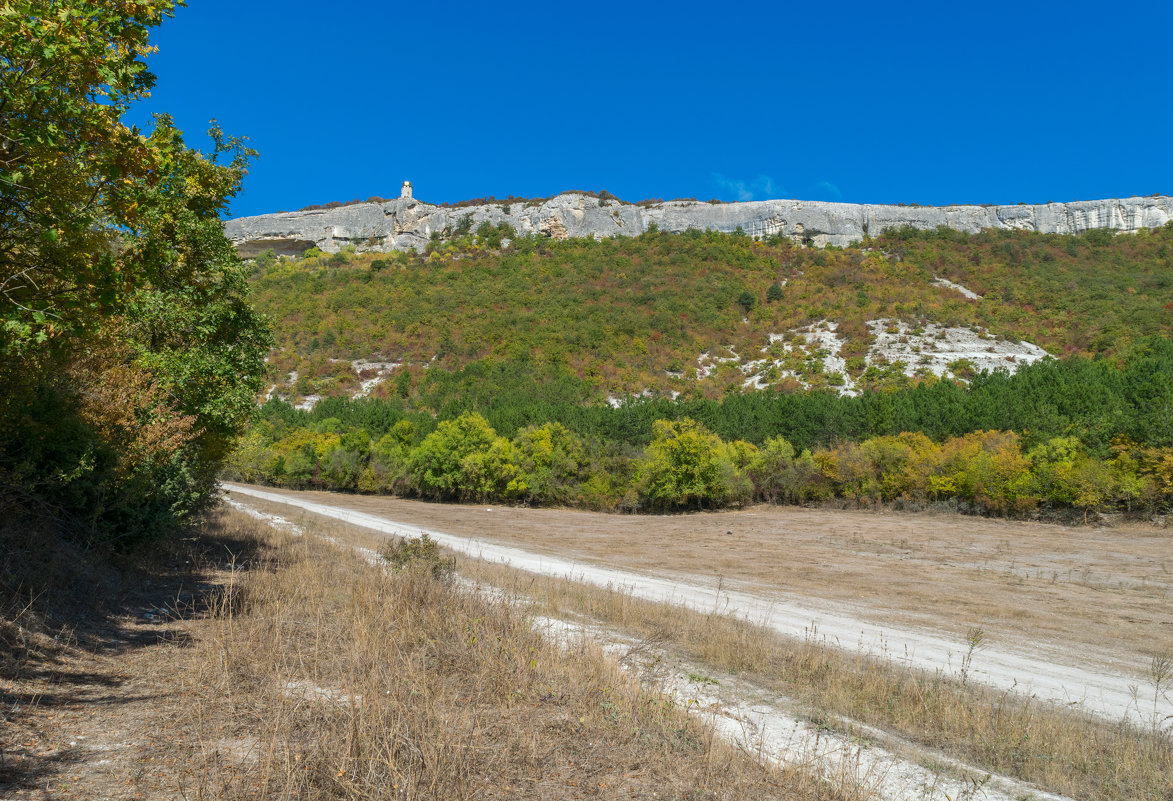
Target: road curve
{"type": "Point", "coordinates": [1107, 694]}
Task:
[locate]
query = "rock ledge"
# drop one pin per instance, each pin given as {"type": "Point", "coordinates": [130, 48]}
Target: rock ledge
{"type": "Point", "coordinates": [407, 224]}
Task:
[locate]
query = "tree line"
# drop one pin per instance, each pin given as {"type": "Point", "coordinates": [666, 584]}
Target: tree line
{"type": "Point", "coordinates": [686, 466]}
{"type": "Point", "coordinates": [1082, 434]}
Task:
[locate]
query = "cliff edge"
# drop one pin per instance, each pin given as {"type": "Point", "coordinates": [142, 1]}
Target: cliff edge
{"type": "Point", "coordinates": [408, 224]}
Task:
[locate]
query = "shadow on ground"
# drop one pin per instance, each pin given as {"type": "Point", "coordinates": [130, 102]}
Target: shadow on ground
{"type": "Point", "coordinates": [62, 607]}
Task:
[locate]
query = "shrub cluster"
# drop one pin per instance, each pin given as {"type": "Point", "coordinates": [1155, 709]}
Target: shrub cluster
{"type": "Point", "coordinates": [129, 355]}
{"type": "Point", "coordinates": [686, 466]}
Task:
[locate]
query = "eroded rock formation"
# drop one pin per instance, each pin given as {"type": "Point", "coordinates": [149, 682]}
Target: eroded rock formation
{"type": "Point", "coordinates": [407, 224]}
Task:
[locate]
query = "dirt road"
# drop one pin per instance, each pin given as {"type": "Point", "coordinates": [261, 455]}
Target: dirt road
{"type": "Point", "coordinates": [1105, 680]}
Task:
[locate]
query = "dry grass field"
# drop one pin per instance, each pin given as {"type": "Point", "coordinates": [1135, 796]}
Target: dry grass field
{"type": "Point", "coordinates": [252, 664]}
{"type": "Point", "coordinates": [1104, 593]}
{"type": "Point", "coordinates": [1059, 749]}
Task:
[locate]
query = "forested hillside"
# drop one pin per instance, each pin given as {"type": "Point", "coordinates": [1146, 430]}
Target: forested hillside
{"type": "Point", "coordinates": [496, 367]}
{"type": "Point", "coordinates": [632, 315]}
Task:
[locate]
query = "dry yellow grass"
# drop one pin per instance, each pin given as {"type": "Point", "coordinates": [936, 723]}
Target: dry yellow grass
{"type": "Point", "coordinates": [1058, 749]}
{"type": "Point", "coordinates": [1001, 731]}
{"type": "Point", "coordinates": [291, 668]}
{"type": "Point", "coordinates": [346, 680]}
{"type": "Point", "coordinates": [1106, 592]}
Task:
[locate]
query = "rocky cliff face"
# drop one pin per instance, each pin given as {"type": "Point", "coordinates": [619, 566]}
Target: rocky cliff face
{"type": "Point", "coordinates": [408, 224]}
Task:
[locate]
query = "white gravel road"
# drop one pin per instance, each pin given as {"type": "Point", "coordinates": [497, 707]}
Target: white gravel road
{"type": "Point", "coordinates": [1111, 695]}
{"type": "Point", "coordinates": [764, 723]}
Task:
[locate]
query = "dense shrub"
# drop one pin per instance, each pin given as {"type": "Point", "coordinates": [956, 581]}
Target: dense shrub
{"type": "Point", "coordinates": [129, 355]}
{"type": "Point", "coordinates": [686, 466]}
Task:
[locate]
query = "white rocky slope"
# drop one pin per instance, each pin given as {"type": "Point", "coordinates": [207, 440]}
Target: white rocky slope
{"type": "Point", "coordinates": [815, 350]}
{"type": "Point", "coordinates": [408, 224]}
{"type": "Point", "coordinates": [812, 355]}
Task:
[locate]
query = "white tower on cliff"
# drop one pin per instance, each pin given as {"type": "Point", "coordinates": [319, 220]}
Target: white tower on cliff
{"type": "Point", "coordinates": [405, 192]}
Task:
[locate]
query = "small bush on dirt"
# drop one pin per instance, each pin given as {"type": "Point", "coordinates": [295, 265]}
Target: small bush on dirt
{"type": "Point", "coordinates": [419, 551]}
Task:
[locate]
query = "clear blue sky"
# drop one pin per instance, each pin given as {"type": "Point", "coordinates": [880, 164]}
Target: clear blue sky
{"type": "Point", "coordinates": [858, 101]}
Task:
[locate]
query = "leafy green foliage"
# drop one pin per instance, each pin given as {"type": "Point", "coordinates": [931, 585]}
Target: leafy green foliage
{"type": "Point", "coordinates": [616, 314]}
{"type": "Point", "coordinates": [131, 357]}
{"type": "Point", "coordinates": [779, 475]}
{"type": "Point", "coordinates": [1095, 435]}
{"type": "Point", "coordinates": [462, 458]}
{"type": "Point", "coordinates": [72, 175]}
{"type": "Point", "coordinates": [550, 462]}
{"type": "Point", "coordinates": [1094, 399]}
{"type": "Point", "coordinates": [687, 466]}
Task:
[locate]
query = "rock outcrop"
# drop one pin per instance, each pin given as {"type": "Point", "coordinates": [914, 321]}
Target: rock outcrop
{"type": "Point", "coordinates": [408, 224]}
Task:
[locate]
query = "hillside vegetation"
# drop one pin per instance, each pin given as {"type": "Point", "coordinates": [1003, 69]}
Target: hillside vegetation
{"type": "Point", "coordinates": [486, 364]}
{"type": "Point", "coordinates": [635, 314]}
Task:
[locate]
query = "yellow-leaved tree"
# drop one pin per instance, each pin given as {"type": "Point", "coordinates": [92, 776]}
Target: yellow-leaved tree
{"type": "Point", "coordinates": [129, 354]}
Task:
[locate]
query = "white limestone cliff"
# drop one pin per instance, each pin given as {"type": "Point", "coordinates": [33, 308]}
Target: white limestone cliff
{"type": "Point", "coordinates": [407, 224]}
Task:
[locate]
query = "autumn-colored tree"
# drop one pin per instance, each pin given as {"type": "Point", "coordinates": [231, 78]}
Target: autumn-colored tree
{"type": "Point", "coordinates": [990, 470]}
{"type": "Point", "coordinates": [72, 175]}
{"type": "Point", "coordinates": [550, 461]}
{"type": "Point", "coordinates": [122, 305]}
{"type": "Point", "coordinates": [686, 465]}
